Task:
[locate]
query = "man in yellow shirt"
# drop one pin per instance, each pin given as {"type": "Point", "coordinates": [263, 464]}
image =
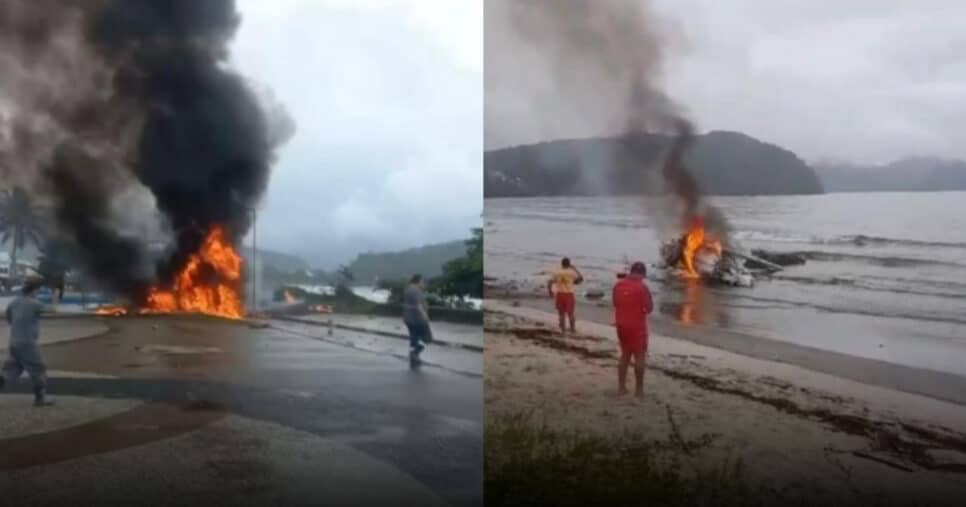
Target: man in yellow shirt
{"type": "Point", "coordinates": [561, 288]}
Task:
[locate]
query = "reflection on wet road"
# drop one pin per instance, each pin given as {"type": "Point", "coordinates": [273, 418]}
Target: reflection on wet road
{"type": "Point", "coordinates": [194, 374]}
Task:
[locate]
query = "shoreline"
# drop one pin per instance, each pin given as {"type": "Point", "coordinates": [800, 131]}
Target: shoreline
{"type": "Point", "coordinates": [787, 424]}
{"type": "Point", "coordinates": [941, 386]}
{"type": "Point", "coordinates": [739, 374]}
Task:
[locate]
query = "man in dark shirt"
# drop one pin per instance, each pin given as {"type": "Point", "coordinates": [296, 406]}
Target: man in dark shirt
{"type": "Point", "coordinates": [23, 314]}
{"type": "Point", "coordinates": [416, 317]}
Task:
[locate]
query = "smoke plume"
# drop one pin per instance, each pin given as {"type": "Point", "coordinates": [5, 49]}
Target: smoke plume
{"type": "Point", "coordinates": [101, 97]}
{"type": "Point", "coordinates": [577, 68]}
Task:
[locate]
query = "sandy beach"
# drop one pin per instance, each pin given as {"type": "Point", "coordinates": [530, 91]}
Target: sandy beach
{"type": "Point", "coordinates": [786, 423]}
{"type": "Point", "coordinates": [940, 385]}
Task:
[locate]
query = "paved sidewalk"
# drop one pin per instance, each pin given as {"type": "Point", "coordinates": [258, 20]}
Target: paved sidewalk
{"type": "Point", "coordinates": [466, 335]}
{"type": "Point", "coordinates": [62, 329]}
{"type": "Point", "coordinates": [460, 360]}
{"type": "Point", "coordinates": [231, 461]}
{"type": "Point", "coordinates": [183, 410]}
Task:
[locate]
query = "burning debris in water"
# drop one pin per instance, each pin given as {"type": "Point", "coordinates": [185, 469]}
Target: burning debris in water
{"type": "Point", "coordinates": [701, 248]}
{"type": "Point", "coordinates": [102, 97]}
{"type": "Point", "coordinates": [700, 255]}
{"type": "Point", "coordinates": [695, 244]}
{"type": "Point", "coordinates": [697, 256]}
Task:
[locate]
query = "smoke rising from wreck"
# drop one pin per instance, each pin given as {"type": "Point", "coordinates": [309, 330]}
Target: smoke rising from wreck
{"type": "Point", "coordinates": [109, 94]}
{"type": "Point", "coordinates": [576, 68]}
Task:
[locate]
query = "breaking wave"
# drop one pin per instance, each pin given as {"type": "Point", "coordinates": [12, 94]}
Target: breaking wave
{"type": "Point", "coordinates": [621, 222]}
{"type": "Point", "coordinates": [860, 239]}
{"type": "Point", "coordinates": [848, 239]}
{"type": "Point", "coordinates": [885, 261]}
{"type": "Point", "coordinates": [924, 316]}
{"type": "Point", "coordinates": [771, 237]}
{"type": "Point", "coordinates": [835, 280]}
{"type": "Point", "coordinates": [894, 286]}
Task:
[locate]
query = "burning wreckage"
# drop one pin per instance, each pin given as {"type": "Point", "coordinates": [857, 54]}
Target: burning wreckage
{"type": "Point", "coordinates": [704, 251]}
{"type": "Point", "coordinates": [700, 255]}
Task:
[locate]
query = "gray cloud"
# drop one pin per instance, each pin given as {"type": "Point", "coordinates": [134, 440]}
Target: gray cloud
{"type": "Point", "coordinates": [570, 68]}
{"type": "Point", "coordinates": [864, 80]}
{"type": "Point", "coordinates": [388, 103]}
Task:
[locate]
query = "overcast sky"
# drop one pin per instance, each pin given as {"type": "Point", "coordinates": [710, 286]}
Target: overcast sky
{"type": "Point", "coordinates": [387, 98]}
{"type": "Point", "coordinates": [863, 80]}
{"type": "Point", "coordinates": [857, 80]}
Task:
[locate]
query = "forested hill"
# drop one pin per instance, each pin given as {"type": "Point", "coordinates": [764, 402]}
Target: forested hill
{"type": "Point", "coordinates": [426, 260]}
{"type": "Point", "coordinates": [725, 163]}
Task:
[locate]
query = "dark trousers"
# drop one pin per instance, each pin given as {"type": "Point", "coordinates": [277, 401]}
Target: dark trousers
{"type": "Point", "coordinates": [419, 332]}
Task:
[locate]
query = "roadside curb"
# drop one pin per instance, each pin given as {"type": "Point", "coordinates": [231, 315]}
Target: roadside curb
{"type": "Point", "coordinates": [70, 315]}
{"type": "Point", "coordinates": [388, 334]}
{"type": "Point", "coordinates": [349, 344]}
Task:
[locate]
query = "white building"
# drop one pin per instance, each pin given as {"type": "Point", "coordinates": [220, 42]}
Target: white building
{"type": "Point", "coordinates": [24, 267]}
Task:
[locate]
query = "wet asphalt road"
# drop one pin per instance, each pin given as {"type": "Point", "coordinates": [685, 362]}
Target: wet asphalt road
{"type": "Point", "coordinates": [190, 371]}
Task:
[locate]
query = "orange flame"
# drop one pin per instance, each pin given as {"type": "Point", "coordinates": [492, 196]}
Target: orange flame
{"type": "Point", "coordinates": [696, 242]}
{"type": "Point", "coordinates": [210, 283]}
{"type": "Point", "coordinates": [111, 310]}
{"type": "Point", "coordinates": [217, 295]}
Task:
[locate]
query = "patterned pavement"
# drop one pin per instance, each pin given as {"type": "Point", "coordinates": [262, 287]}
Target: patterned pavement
{"type": "Point", "coordinates": [182, 410]}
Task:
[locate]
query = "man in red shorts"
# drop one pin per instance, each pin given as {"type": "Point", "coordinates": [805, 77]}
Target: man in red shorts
{"type": "Point", "coordinates": [632, 304]}
{"type": "Point", "coordinates": [561, 288]}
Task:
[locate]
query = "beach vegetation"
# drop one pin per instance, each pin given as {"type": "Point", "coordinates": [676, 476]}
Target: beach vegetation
{"type": "Point", "coordinates": [463, 277]}
{"type": "Point", "coordinates": [530, 463]}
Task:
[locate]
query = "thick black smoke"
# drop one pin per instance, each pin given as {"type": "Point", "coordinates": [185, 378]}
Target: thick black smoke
{"type": "Point", "coordinates": [688, 199]}
{"type": "Point", "coordinates": [576, 68]}
{"type": "Point", "coordinates": [145, 97]}
{"type": "Point", "coordinates": [204, 149]}
{"type": "Point", "coordinates": [117, 259]}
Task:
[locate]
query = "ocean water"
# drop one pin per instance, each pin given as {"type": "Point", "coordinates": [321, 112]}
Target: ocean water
{"type": "Point", "coordinates": [370, 293]}
{"type": "Point", "coordinates": [885, 276]}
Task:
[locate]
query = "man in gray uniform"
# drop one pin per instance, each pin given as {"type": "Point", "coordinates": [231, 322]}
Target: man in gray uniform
{"type": "Point", "coordinates": [416, 317]}
{"type": "Point", "coordinates": [23, 314]}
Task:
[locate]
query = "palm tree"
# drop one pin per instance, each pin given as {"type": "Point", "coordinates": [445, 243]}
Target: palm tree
{"type": "Point", "coordinates": [21, 221]}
